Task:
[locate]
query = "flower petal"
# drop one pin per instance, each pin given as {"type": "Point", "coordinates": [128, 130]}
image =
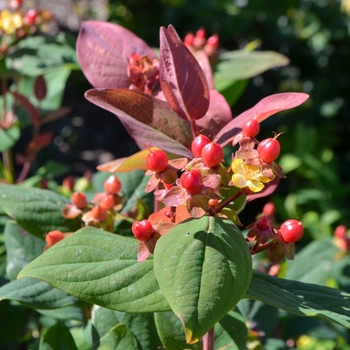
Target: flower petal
{"type": "Point", "coordinates": [239, 180]}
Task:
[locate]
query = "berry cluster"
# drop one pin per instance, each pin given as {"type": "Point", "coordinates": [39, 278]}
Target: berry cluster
{"type": "Point", "coordinates": [199, 41]}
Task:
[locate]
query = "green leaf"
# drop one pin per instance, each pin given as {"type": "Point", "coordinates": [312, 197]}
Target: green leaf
{"type": "Point", "coordinates": [140, 325]}
{"type": "Point", "coordinates": [231, 332]}
{"type": "Point", "coordinates": [9, 137]}
{"type": "Point", "coordinates": [302, 299]}
{"type": "Point", "coordinates": [232, 90]}
{"type": "Point", "coordinates": [203, 268]}
{"type": "Point", "coordinates": [118, 338]}
{"type": "Point", "coordinates": [67, 313]}
{"type": "Point", "coordinates": [38, 211]}
{"type": "Point", "coordinates": [241, 64]}
{"type": "Point", "coordinates": [318, 269]}
{"type": "Point", "coordinates": [36, 294]}
{"type": "Point", "coordinates": [171, 332]}
{"type": "Point", "coordinates": [100, 268]}
{"type": "Point", "coordinates": [21, 248]}
{"type": "Point", "coordinates": [57, 337]}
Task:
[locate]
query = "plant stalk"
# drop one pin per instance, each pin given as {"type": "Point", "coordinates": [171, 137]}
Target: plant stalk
{"type": "Point", "coordinates": [208, 340]}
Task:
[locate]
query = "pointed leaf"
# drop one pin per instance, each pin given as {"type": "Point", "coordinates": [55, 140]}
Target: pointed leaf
{"type": "Point", "coordinates": [303, 299]}
{"type": "Point", "coordinates": [9, 137]}
{"type": "Point", "coordinates": [149, 121]}
{"type": "Point", "coordinates": [262, 110]}
{"type": "Point", "coordinates": [34, 293]}
{"type": "Point", "coordinates": [100, 268]}
{"type": "Point", "coordinates": [57, 337]}
{"type": "Point", "coordinates": [38, 211]}
{"type": "Point", "coordinates": [103, 51]}
{"type": "Point", "coordinates": [181, 77]}
{"type": "Point", "coordinates": [243, 64]}
{"type": "Point", "coordinates": [203, 268]}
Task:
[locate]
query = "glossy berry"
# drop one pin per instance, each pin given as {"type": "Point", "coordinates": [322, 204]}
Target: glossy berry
{"type": "Point", "coordinates": [53, 237]}
{"type": "Point", "coordinates": [99, 214]}
{"type": "Point", "coordinates": [142, 230]}
{"type": "Point", "coordinates": [112, 185]}
{"type": "Point", "coordinates": [198, 143]}
{"type": "Point", "coordinates": [291, 230]}
{"type": "Point", "coordinates": [212, 203]}
{"type": "Point", "coordinates": [31, 16]}
{"type": "Point", "coordinates": [212, 154]}
{"type": "Point", "coordinates": [269, 149]}
{"type": "Point", "coordinates": [79, 200]}
{"type": "Point", "coordinates": [157, 161]}
{"type": "Point", "coordinates": [106, 202]}
{"type": "Point", "coordinates": [251, 128]}
{"type": "Point", "coordinates": [191, 181]}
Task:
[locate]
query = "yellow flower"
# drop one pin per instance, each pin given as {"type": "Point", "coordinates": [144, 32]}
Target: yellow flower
{"type": "Point", "coordinates": [251, 176]}
{"type": "Point", "coordinates": [10, 22]}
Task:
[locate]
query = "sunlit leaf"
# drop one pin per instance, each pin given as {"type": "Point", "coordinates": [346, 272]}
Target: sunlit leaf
{"type": "Point", "coordinates": [150, 121]}
{"type": "Point", "coordinates": [182, 79]}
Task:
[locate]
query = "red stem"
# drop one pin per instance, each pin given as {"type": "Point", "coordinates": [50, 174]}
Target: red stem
{"type": "Point", "coordinates": [208, 340]}
{"type": "Point", "coordinates": [194, 128]}
{"type": "Point", "coordinates": [228, 201]}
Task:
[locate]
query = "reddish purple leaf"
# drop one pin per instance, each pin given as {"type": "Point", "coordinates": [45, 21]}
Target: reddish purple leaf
{"type": "Point", "coordinates": [40, 88]}
{"type": "Point", "coordinates": [27, 105]}
{"type": "Point", "coordinates": [151, 122]}
{"type": "Point", "coordinates": [262, 110]}
{"type": "Point", "coordinates": [218, 115]}
{"type": "Point", "coordinates": [182, 79]}
{"type": "Point", "coordinates": [103, 50]}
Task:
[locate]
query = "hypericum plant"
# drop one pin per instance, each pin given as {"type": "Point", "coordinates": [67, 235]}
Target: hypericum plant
{"type": "Point", "coordinates": [189, 255]}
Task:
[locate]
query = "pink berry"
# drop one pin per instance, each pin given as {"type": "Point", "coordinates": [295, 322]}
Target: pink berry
{"type": "Point", "coordinates": [198, 143]}
{"type": "Point", "coordinates": [79, 200]}
{"type": "Point", "coordinates": [142, 230]}
{"type": "Point", "coordinates": [191, 181]}
{"type": "Point", "coordinates": [212, 154]}
{"type": "Point", "coordinates": [269, 209]}
{"type": "Point", "coordinates": [112, 185]}
{"type": "Point", "coordinates": [251, 128]}
{"type": "Point", "coordinates": [291, 230]}
{"type": "Point", "coordinates": [157, 161]}
{"type": "Point", "coordinates": [53, 237]}
{"type": "Point", "coordinates": [340, 231]}
{"type": "Point", "coordinates": [269, 149]}
{"type": "Point", "coordinates": [31, 16]}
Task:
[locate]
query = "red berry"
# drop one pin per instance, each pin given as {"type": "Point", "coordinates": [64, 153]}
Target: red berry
{"type": "Point", "coordinates": [291, 230]}
{"type": "Point", "coordinates": [107, 202]}
{"type": "Point", "coordinates": [198, 143]}
{"type": "Point", "coordinates": [99, 214]}
{"type": "Point", "coordinates": [340, 231]}
{"type": "Point", "coordinates": [251, 128]}
{"type": "Point", "coordinates": [188, 41]}
{"type": "Point", "coordinates": [79, 200]}
{"type": "Point", "coordinates": [112, 185]}
{"type": "Point", "coordinates": [191, 181]}
{"type": "Point", "coordinates": [213, 41]}
{"type": "Point", "coordinates": [69, 182]}
{"type": "Point", "coordinates": [212, 203]}
{"type": "Point", "coordinates": [212, 154]}
{"type": "Point", "coordinates": [31, 16]}
{"type": "Point", "coordinates": [53, 237]}
{"type": "Point", "coordinates": [269, 209]}
{"type": "Point", "coordinates": [142, 230]}
{"type": "Point", "coordinates": [157, 161]}
{"type": "Point", "coordinates": [269, 149]}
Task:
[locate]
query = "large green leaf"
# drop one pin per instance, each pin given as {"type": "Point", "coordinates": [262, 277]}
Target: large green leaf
{"type": "Point", "coordinates": [100, 268]}
{"type": "Point", "coordinates": [34, 293]}
{"type": "Point", "coordinates": [38, 211]}
{"type": "Point", "coordinates": [21, 248]}
{"type": "Point", "coordinates": [203, 268]}
{"type": "Point", "coordinates": [242, 64]}
{"type": "Point", "coordinates": [57, 337]}
{"type": "Point", "coordinates": [303, 299]}
{"type": "Point", "coordinates": [140, 325]}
